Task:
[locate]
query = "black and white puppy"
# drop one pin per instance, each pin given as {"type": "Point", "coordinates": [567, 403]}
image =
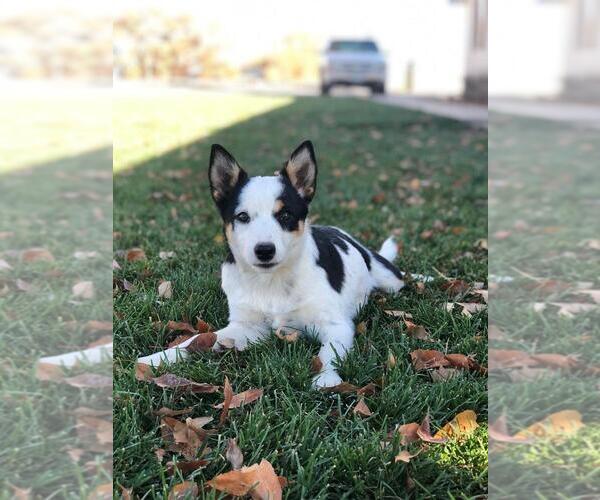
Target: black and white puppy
{"type": "Point", "coordinates": [283, 272]}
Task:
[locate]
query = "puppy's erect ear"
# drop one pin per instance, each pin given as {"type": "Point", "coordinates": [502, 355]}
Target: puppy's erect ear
{"type": "Point", "coordinates": [224, 173]}
{"type": "Point", "coordinates": [301, 170]}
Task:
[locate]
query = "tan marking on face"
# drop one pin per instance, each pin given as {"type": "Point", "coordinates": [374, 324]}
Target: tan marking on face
{"type": "Point", "coordinates": [277, 206]}
{"type": "Point", "coordinates": [229, 231]}
{"type": "Point", "coordinates": [300, 230]}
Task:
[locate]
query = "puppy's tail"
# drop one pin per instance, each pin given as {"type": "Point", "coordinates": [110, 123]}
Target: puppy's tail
{"type": "Point", "coordinates": [389, 249]}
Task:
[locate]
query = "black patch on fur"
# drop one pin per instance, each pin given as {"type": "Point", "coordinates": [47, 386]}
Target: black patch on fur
{"type": "Point", "coordinates": [293, 204]}
{"type": "Point", "coordinates": [362, 250]}
{"type": "Point", "coordinates": [388, 265]}
{"type": "Point", "coordinates": [329, 258]}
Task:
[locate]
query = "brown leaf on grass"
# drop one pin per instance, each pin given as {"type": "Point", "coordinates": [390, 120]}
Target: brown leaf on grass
{"type": "Point", "coordinates": [424, 432]}
{"type": "Point", "coordinates": [95, 433]}
{"type": "Point", "coordinates": [186, 489]}
{"type": "Point", "coordinates": [455, 287]}
{"type": "Point", "coordinates": [594, 294]}
{"type": "Point", "coordinates": [391, 360]}
{"type": "Point", "coordinates": [470, 308]}
{"type": "Point", "coordinates": [170, 381]}
{"type": "Point", "coordinates": [316, 365]}
{"type": "Point", "coordinates": [509, 358]}
{"type": "Point", "coordinates": [409, 433]}
{"type": "Point", "coordinates": [126, 493]}
{"type": "Point", "coordinates": [227, 397]}
{"type": "Point", "coordinates": [167, 412]}
{"type": "Point", "coordinates": [48, 371]}
{"type": "Point", "coordinates": [243, 398]}
{"type": "Point", "coordinates": [378, 198]}
{"type": "Point", "coordinates": [398, 314]}
{"type": "Point", "coordinates": [135, 254]}
{"type": "Point", "coordinates": [165, 290]}
{"type": "Point", "coordinates": [361, 408]}
{"type": "Point", "coordinates": [89, 380]}
{"type": "Point", "coordinates": [101, 492]}
{"type": "Point", "coordinates": [184, 437]}
{"type": "Point", "coordinates": [443, 374]}
{"type": "Point", "coordinates": [423, 359]}
{"type": "Point", "coordinates": [23, 285]}
{"type": "Point", "coordinates": [287, 334]}
{"type": "Point", "coordinates": [367, 390]}
{"type": "Point", "coordinates": [404, 456]}
{"type": "Point", "coordinates": [416, 331]}
{"type": "Point", "coordinates": [202, 326]}
{"type": "Point", "coordinates": [185, 466]}
{"type": "Point", "coordinates": [461, 425]}
{"type": "Point", "coordinates": [97, 326]}
{"type": "Point", "coordinates": [84, 290]}
{"type": "Point", "coordinates": [556, 360]}
{"type": "Point", "coordinates": [143, 372]}
{"type": "Point", "coordinates": [361, 328]}
{"type": "Point", "coordinates": [259, 481]}
{"type": "Point", "coordinates": [342, 388]}
{"type": "Point", "coordinates": [498, 431]}
{"type": "Point", "coordinates": [178, 340]}
{"type": "Point", "coordinates": [115, 265]}
{"type": "Point", "coordinates": [180, 326]}
{"type": "Point", "coordinates": [570, 309]}
{"type": "Point", "coordinates": [559, 424]}
{"type": "Point", "coordinates": [36, 255]}
{"type": "Point", "coordinates": [203, 342]}
{"type": "Point", "coordinates": [4, 265]}
{"type": "Point", "coordinates": [234, 455]}
{"type": "Point", "coordinates": [483, 294]}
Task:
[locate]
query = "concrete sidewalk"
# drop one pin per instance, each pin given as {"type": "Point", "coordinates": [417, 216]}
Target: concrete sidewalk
{"type": "Point", "coordinates": [585, 115]}
{"type": "Point", "coordinates": [474, 114]}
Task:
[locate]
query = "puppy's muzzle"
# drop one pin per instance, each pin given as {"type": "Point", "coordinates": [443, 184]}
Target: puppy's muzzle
{"type": "Point", "coordinates": [264, 251]}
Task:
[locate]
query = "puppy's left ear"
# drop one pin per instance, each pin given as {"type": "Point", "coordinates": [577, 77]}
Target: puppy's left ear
{"type": "Point", "coordinates": [224, 173]}
{"type": "Point", "coordinates": [301, 170]}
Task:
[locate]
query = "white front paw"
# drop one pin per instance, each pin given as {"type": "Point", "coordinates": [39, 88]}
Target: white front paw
{"type": "Point", "coordinates": [327, 378]}
{"type": "Point", "coordinates": [224, 343]}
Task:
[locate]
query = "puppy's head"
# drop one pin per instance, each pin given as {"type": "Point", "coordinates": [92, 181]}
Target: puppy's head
{"type": "Point", "coordinates": [264, 217]}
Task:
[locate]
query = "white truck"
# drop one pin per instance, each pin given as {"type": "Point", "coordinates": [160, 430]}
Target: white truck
{"type": "Point", "coordinates": [353, 62]}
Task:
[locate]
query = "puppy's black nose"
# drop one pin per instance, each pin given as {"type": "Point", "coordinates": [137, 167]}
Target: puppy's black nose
{"type": "Point", "coordinates": [264, 251]}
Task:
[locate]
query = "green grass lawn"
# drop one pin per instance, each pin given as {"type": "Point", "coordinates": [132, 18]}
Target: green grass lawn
{"type": "Point", "coordinates": [433, 173]}
{"type": "Point", "coordinates": [56, 193]}
{"type": "Point", "coordinates": [544, 198]}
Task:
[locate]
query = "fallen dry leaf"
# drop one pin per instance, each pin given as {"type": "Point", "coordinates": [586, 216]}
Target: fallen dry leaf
{"type": "Point", "coordinates": [570, 309]}
{"type": "Point", "coordinates": [84, 290]}
{"type": "Point", "coordinates": [97, 326]}
{"type": "Point", "coordinates": [48, 371]}
{"type": "Point", "coordinates": [423, 359]}
{"type": "Point", "coordinates": [186, 489]}
{"type": "Point", "coordinates": [135, 254]}
{"type": "Point", "coordinates": [367, 390]}
{"type": "Point", "coordinates": [391, 360]}
{"type": "Point", "coordinates": [23, 285]}
{"type": "Point", "coordinates": [362, 409]}
{"type": "Point", "coordinates": [243, 398]}
{"type": "Point", "coordinates": [170, 381]}
{"type": "Point", "coordinates": [202, 326]}
{"type": "Point", "coordinates": [36, 255]}
{"type": "Point", "coordinates": [455, 287]}
{"type": "Point", "coordinates": [180, 326]}
{"type": "Point", "coordinates": [203, 342]}
{"type": "Point", "coordinates": [287, 334]}
{"type": "Point", "coordinates": [559, 424]}
{"type": "Point", "coordinates": [341, 388]}
{"type": "Point", "coordinates": [498, 431]}
{"type": "Point", "coordinates": [594, 294]}
{"type": "Point", "coordinates": [424, 432]}
{"type": "Point", "coordinates": [462, 424]}
{"type": "Point", "coordinates": [227, 397]}
{"type": "Point", "coordinates": [167, 412]}
{"type": "Point", "coordinates": [316, 365]}
{"type": "Point", "coordinates": [398, 314]}
{"type": "Point", "coordinates": [361, 328]}
{"type": "Point", "coordinates": [409, 433]}
{"type": "Point", "coordinates": [442, 374]}
{"type": "Point", "coordinates": [259, 481]}
{"type": "Point", "coordinates": [165, 290]}
{"type": "Point", "coordinates": [115, 265]}
{"type": "Point", "coordinates": [89, 380]}
{"type": "Point", "coordinates": [185, 466]}
{"type": "Point", "coordinates": [179, 340]}
{"type": "Point", "coordinates": [416, 331]}
{"type": "Point", "coordinates": [404, 456]}
{"type": "Point", "coordinates": [143, 372]}
{"type": "Point", "coordinates": [234, 455]}
{"type": "Point", "coordinates": [184, 437]}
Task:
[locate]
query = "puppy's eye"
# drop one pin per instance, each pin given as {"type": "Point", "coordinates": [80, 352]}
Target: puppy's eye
{"type": "Point", "coordinates": [284, 216]}
{"type": "Point", "coordinates": [243, 217]}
